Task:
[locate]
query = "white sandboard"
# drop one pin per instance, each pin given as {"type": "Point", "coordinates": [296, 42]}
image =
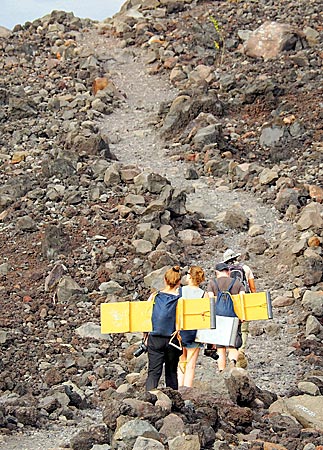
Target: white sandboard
{"type": "Point", "coordinates": [225, 332]}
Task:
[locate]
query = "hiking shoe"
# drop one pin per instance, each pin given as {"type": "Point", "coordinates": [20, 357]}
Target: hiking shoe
{"type": "Point", "coordinates": [242, 361]}
{"type": "Point", "coordinates": [232, 363]}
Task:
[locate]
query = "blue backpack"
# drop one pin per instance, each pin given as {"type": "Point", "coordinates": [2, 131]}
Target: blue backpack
{"type": "Point", "coordinates": [164, 314]}
{"type": "Point", "coordinates": [224, 303]}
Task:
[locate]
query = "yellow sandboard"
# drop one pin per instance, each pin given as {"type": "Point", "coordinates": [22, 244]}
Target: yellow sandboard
{"type": "Point", "coordinates": [255, 306]}
{"type": "Point", "coordinates": [123, 317]}
{"type": "Point", "coordinates": [192, 314]}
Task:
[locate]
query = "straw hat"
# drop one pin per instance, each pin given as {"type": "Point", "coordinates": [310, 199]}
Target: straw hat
{"type": "Point", "coordinates": [229, 254]}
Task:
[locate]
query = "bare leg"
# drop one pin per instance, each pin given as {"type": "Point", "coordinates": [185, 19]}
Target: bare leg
{"type": "Point", "coordinates": [233, 354]}
{"type": "Point", "coordinates": [222, 352]}
{"type": "Point", "coordinates": [192, 355]}
{"type": "Point", "coordinates": [182, 367]}
{"type": "Point", "coordinates": [244, 334]}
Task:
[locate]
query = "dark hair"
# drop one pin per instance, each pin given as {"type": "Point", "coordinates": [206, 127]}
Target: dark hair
{"type": "Point", "coordinates": [173, 276]}
{"type": "Point", "coordinates": [221, 266]}
{"type": "Point", "coordinates": [197, 274]}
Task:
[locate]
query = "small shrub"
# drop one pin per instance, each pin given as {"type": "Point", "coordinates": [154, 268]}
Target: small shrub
{"type": "Point", "coordinates": [219, 41]}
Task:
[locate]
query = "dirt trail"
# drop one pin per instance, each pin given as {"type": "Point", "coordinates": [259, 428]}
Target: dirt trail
{"type": "Point", "coordinates": [136, 141]}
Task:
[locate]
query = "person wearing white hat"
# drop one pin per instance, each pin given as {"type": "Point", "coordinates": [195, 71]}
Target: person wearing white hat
{"type": "Point", "coordinates": [246, 276]}
{"type": "Point", "coordinates": [231, 258]}
{"type": "Point", "coordinates": [224, 282]}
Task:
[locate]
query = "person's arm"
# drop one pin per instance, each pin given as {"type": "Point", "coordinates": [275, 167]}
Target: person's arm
{"type": "Point", "coordinates": [250, 278]}
{"type": "Point", "coordinates": [242, 291]}
{"type": "Point", "coordinates": [252, 285]}
{"type": "Point", "coordinates": [210, 289]}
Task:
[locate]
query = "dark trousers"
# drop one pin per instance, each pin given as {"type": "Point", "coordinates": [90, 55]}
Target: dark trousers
{"type": "Point", "coordinates": [160, 353]}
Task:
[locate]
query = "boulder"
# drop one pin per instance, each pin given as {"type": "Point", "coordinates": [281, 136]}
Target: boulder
{"type": "Point", "coordinates": [270, 39]}
{"type": "Point", "coordinates": [313, 301]}
{"type": "Point", "coordinates": [308, 410]}
{"type": "Point", "coordinates": [311, 217]}
{"type": "Point", "coordinates": [131, 430]}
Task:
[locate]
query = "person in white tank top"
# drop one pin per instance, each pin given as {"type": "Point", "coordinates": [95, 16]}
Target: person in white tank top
{"type": "Point", "coordinates": [191, 349]}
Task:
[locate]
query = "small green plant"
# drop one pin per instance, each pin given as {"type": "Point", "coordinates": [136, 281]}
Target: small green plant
{"type": "Point", "coordinates": [219, 42]}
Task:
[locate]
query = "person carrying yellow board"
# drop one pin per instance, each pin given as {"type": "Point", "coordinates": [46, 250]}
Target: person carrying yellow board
{"type": "Point", "coordinates": [222, 287]}
{"type": "Point", "coordinates": [187, 362]}
{"type": "Point", "coordinates": [243, 273]}
{"type": "Point", "coordinates": [163, 345]}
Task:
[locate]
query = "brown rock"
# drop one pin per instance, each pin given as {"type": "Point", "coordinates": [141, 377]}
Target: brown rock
{"type": "Point", "coordinates": [99, 84]}
{"type": "Point", "coordinates": [283, 301]}
{"type": "Point", "coordinates": [106, 384]}
{"type": "Point", "coordinates": [316, 193]}
{"type": "Point", "coordinates": [271, 446]}
{"type": "Point", "coordinates": [53, 376]}
{"type": "Point", "coordinates": [139, 408]}
{"type": "Point", "coordinates": [170, 62]}
{"type": "Point", "coordinates": [314, 241]}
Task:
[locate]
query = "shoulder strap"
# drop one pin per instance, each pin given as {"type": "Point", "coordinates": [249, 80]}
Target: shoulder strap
{"type": "Point", "coordinates": [229, 288]}
{"type": "Point", "coordinates": [153, 296]}
{"type": "Point", "coordinates": [240, 268]}
{"type": "Point", "coordinates": [231, 285]}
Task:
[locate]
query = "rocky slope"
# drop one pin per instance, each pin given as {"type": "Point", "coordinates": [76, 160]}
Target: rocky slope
{"type": "Point", "coordinates": [160, 136]}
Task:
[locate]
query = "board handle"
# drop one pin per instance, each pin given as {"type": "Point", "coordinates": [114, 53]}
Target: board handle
{"type": "Point", "coordinates": [212, 313]}
{"type": "Point", "coordinates": [242, 304]}
{"type": "Point", "coordinates": [269, 305]}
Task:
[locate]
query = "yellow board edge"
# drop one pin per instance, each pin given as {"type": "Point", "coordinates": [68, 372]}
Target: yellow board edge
{"type": "Point", "coordinates": [191, 314]}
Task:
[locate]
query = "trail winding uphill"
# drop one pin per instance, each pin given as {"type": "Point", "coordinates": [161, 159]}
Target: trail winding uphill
{"type": "Point", "coordinates": [135, 139]}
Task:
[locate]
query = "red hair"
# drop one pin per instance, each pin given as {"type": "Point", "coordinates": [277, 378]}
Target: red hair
{"type": "Point", "coordinates": [197, 274]}
{"type": "Point", "coordinates": [173, 276]}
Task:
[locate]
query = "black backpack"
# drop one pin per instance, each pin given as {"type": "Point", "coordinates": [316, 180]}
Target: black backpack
{"type": "Point", "coordinates": [237, 272]}
{"type": "Point", "coordinates": [224, 303]}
